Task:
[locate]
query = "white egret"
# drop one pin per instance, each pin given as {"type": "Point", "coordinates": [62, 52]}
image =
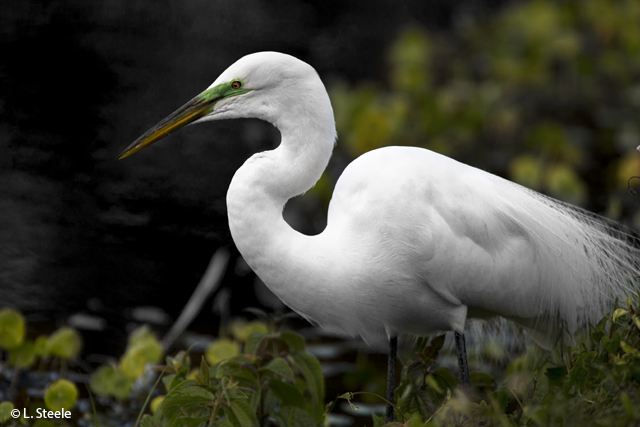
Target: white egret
{"type": "Point", "coordinates": [415, 242]}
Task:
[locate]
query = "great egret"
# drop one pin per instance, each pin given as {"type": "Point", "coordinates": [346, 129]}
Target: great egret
{"type": "Point", "coordinates": [415, 242]}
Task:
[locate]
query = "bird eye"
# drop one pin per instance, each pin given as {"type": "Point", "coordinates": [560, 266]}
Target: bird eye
{"type": "Point", "coordinates": [236, 84]}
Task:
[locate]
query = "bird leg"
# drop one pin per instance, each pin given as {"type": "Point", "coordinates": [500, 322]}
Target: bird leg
{"type": "Point", "coordinates": [463, 365]}
{"type": "Point", "coordinates": [391, 377]}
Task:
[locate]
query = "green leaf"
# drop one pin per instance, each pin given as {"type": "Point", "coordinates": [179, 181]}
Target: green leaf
{"type": "Point", "coordinates": [61, 394]}
{"type": "Point", "coordinates": [192, 421]}
{"type": "Point", "coordinates": [629, 350]}
{"type": "Point", "coordinates": [611, 345]}
{"type": "Point", "coordinates": [186, 401]}
{"type": "Point", "coordinates": [132, 364]}
{"type": "Point", "coordinates": [241, 414]}
{"type": "Point", "coordinates": [627, 404]}
{"type": "Point", "coordinates": [241, 329]}
{"type": "Point", "coordinates": [286, 393]}
{"type": "Point", "coordinates": [220, 350]}
{"type": "Point", "coordinates": [596, 337]}
{"type": "Point", "coordinates": [5, 411]}
{"type": "Point", "coordinates": [481, 379]}
{"type": "Point", "coordinates": [291, 416]}
{"type": "Point", "coordinates": [23, 356]}
{"type": "Point", "coordinates": [293, 340]}
{"type": "Point", "coordinates": [100, 379]}
{"type": "Point", "coordinates": [280, 367]}
{"type": "Point", "coordinates": [261, 347]}
{"type": "Point", "coordinates": [431, 352]}
{"type": "Point", "coordinates": [253, 339]}
{"type": "Point", "coordinates": [155, 403]}
{"type": "Point", "coordinates": [619, 313]}
{"type": "Point", "coordinates": [43, 423]}
{"type": "Point", "coordinates": [64, 343]}
{"type": "Point", "coordinates": [433, 383]}
{"type": "Point", "coordinates": [167, 380]}
{"type": "Point", "coordinates": [40, 345]}
{"type": "Point", "coordinates": [312, 373]}
{"type": "Point", "coordinates": [416, 400]}
{"type": "Point", "coordinates": [107, 381]}
{"type": "Point", "coordinates": [445, 378]}
{"type": "Point", "coordinates": [205, 372]}
{"type": "Point", "coordinates": [12, 329]}
{"type": "Point", "coordinates": [378, 420]}
{"type": "Point", "coordinates": [144, 342]}
{"type": "Point", "coordinates": [556, 375]}
{"type": "Point", "coordinates": [148, 421]}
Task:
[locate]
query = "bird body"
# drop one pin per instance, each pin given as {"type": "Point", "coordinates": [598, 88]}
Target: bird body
{"type": "Point", "coordinates": [415, 242]}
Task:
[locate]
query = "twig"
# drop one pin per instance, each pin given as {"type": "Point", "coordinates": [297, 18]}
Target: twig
{"type": "Point", "coordinates": [629, 189]}
{"type": "Point", "coordinates": [209, 282]}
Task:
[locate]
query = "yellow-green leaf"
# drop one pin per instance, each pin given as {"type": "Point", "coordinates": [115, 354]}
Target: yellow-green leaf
{"type": "Point", "coordinates": [60, 394]}
{"type": "Point", "coordinates": [12, 329]}
{"type": "Point", "coordinates": [629, 350]}
{"type": "Point", "coordinates": [240, 329]}
{"type": "Point", "coordinates": [107, 381]}
{"type": "Point", "coordinates": [5, 411]}
{"type": "Point", "coordinates": [64, 343]}
{"type": "Point", "coordinates": [220, 350]}
{"type": "Point", "coordinates": [619, 313]}
{"type": "Point", "coordinates": [145, 343]}
{"type": "Point", "coordinates": [23, 356]}
{"type": "Point", "coordinates": [155, 403]}
{"type": "Point", "coordinates": [132, 364]}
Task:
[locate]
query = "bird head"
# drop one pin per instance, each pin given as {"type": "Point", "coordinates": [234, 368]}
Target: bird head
{"type": "Point", "coordinates": [268, 85]}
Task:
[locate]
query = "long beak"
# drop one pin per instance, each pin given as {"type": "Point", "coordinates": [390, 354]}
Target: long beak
{"type": "Point", "coordinates": [197, 108]}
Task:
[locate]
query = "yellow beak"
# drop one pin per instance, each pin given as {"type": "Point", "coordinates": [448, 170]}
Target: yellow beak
{"type": "Point", "coordinates": [193, 110]}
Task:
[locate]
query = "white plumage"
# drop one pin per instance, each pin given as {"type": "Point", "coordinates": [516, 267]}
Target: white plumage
{"type": "Point", "coordinates": [415, 241]}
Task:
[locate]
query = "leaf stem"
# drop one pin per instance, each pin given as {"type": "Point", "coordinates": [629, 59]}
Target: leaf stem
{"type": "Point", "coordinates": [351, 394]}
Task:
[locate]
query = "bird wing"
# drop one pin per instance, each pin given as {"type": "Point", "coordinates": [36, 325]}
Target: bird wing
{"type": "Point", "coordinates": [478, 240]}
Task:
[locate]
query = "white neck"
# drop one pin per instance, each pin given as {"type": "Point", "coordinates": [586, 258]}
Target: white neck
{"type": "Point", "coordinates": [259, 190]}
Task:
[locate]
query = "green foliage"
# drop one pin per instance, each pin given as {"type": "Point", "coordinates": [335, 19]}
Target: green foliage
{"type": "Point", "coordinates": [5, 411]}
{"type": "Point", "coordinates": [40, 346]}
{"type": "Point", "coordinates": [241, 329]}
{"type": "Point", "coordinates": [222, 349]}
{"type": "Point", "coordinates": [143, 348]}
{"type": "Point", "coordinates": [23, 356]}
{"type": "Point", "coordinates": [275, 379]}
{"type": "Point", "coordinates": [108, 381]}
{"type": "Point", "coordinates": [61, 394]}
{"type": "Point", "coordinates": [542, 93]}
{"type": "Point", "coordinates": [64, 343]}
{"type": "Point", "coordinates": [132, 364]}
{"type": "Point", "coordinates": [143, 342]}
{"type": "Point", "coordinates": [11, 329]}
{"type": "Point", "coordinates": [155, 403]}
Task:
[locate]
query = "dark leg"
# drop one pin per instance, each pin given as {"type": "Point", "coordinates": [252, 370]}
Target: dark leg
{"type": "Point", "coordinates": [463, 366]}
{"type": "Point", "coordinates": [391, 376]}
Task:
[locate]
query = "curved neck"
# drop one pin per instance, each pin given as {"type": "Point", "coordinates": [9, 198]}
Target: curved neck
{"type": "Point", "coordinates": [262, 186]}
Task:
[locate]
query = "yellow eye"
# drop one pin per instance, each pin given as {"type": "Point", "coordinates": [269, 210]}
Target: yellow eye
{"type": "Point", "coordinates": [236, 84]}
